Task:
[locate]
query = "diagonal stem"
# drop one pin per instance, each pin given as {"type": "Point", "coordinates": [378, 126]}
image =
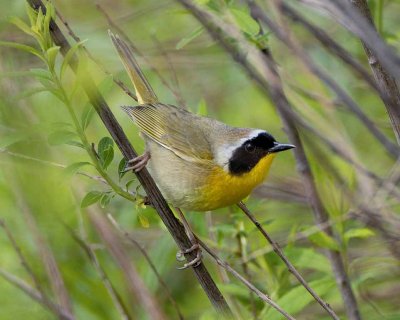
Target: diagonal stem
{"type": "Point", "coordinates": [289, 265]}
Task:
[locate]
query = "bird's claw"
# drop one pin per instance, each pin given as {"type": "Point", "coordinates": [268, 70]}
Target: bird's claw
{"type": "Point", "coordinates": [193, 263]}
{"type": "Point", "coordinates": [137, 163]}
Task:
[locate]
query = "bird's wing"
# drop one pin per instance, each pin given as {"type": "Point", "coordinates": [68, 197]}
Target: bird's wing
{"type": "Point", "coordinates": [176, 129]}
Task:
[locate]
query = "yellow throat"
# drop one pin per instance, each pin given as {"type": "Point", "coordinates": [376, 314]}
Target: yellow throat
{"type": "Point", "coordinates": [223, 189]}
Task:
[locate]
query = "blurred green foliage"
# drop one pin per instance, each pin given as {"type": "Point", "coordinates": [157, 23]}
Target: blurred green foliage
{"type": "Point", "coordinates": [55, 156]}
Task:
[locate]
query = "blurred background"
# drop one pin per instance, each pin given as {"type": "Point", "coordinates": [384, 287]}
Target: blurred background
{"type": "Point", "coordinates": [44, 174]}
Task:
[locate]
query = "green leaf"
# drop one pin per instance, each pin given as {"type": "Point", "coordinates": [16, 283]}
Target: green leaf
{"type": "Point", "coordinates": [50, 13]}
{"type": "Point", "coordinates": [39, 19]}
{"type": "Point", "coordinates": [30, 92]}
{"type": "Point", "coordinates": [298, 298]}
{"type": "Point", "coordinates": [308, 259]}
{"type": "Point", "coordinates": [189, 38]}
{"type": "Point", "coordinates": [90, 198]}
{"type": "Point", "coordinates": [73, 168]}
{"type": "Point", "coordinates": [246, 23]}
{"type": "Point", "coordinates": [23, 48]}
{"type": "Point", "coordinates": [105, 199]}
{"type": "Point", "coordinates": [128, 183]}
{"type": "Point", "coordinates": [20, 24]}
{"type": "Point", "coordinates": [106, 151]}
{"type": "Point", "coordinates": [60, 137]}
{"type": "Point", "coordinates": [42, 74]}
{"type": "Point", "coordinates": [52, 55]}
{"type": "Point", "coordinates": [9, 139]}
{"type": "Point", "coordinates": [323, 240]}
{"type": "Point", "coordinates": [76, 144]}
{"type": "Point", "coordinates": [234, 290]}
{"type": "Point", "coordinates": [32, 14]}
{"type": "Point", "coordinates": [121, 167]}
{"type": "Point", "coordinates": [87, 115]}
{"type": "Point", "coordinates": [358, 233]}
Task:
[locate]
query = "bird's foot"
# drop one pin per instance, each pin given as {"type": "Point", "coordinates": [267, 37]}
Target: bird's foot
{"type": "Point", "coordinates": [193, 263]}
{"type": "Point", "coordinates": [138, 163]}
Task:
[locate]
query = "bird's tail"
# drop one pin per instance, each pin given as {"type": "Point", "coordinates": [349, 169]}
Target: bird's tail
{"type": "Point", "coordinates": [144, 91]}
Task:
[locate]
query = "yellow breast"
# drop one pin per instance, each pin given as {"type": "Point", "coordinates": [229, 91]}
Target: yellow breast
{"type": "Point", "coordinates": [223, 189]}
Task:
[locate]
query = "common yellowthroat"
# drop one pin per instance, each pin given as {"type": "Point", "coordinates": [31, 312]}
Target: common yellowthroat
{"type": "Point", "coordinates": [197, 162]}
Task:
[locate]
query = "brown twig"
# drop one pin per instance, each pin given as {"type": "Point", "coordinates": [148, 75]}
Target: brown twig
{"type": "Point", "coordinates": [346, 14]}
{"type": "Point", "coordinates": [386, 82]}
{"type": "Point", "coordinates": [177, 92]}
{"type": "Point", "coordinates": [137, 51]}
{"type": "Point", "coordinates": [288, 264]}
{"type": "Point", "coordinates": [330, 44]}
{"type": "Point", "coordinates": [344, 155]}
{"type": "Point", "coordinates": [97, 62]}
{"type": "Point", "coordinates": [300, 53]}
{"type": "Point", "coordinates": [154, 194]}
{"type": "Point", "coordinates": [132, 240]}
{"type": "Point", "coordinates": [248, 284]}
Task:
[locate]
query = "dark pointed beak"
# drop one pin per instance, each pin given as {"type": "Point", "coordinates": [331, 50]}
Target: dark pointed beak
{"type": "Point", "coordinates": [278, 147]}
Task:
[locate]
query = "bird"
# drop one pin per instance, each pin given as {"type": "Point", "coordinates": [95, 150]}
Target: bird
{"type": "Point", "coordinates": [198, 163]}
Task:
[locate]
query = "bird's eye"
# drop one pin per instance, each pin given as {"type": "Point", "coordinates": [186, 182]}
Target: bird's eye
{"type": "Point", "coordinates": [249, 147]}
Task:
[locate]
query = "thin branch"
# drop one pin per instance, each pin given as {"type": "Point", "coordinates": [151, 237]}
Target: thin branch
{"type": "Point", "coordinates": [339, 151]}
{"type": "Point", "coordinates": [153, 193]}
{"type": "Point", "coordinates": [346, 14]}
{"type": "Point", "coordinates": [50, 163]}
{"type": "Point", "coordinates": [300, 53]}
{"type": "Point", "coordinates": [22, 259]}
{"type": "Point", "coordinates": [35, 295]}
{"type": "Point", "coordinates": [248, 284]}
{"type": "Point", "coordinates": [177, 92]}
{"type": "Point", "coordinates": [149, 261]}
{"type": "Point", "coordinates": [115, 296]}
{"type": "Point", "coordinates": [288, 264]}
{"type": "Point", "coordinates": [137, 51]}
{"type": "Point", "coordinates": [59, 310]}
{"type": "Point", "coordinates": [330, 44]}
{"type": "Point", "coordinates": [135, 284]}
{"type": "Point", "coordinates": [49, 261]}
{"type": "Point", "coordinates": [118, 82]}
{"type": "Point", "coordinates": [386, 82]}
